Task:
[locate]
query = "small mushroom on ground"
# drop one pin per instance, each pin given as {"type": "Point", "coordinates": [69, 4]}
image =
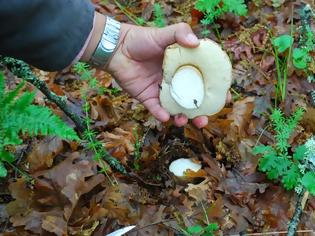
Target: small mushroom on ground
{"type": "Point", "coordinates": [195, 80]}
{"type": "Point", "coordinates": [180, 166]}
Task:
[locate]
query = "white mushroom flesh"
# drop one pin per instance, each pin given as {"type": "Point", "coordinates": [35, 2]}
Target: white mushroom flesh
{"type": "Point", "coordinates": [179, 166]}
{"type": "Point", "coordinates": [210, 61]}
{"type": "Point", "coordinates": [187, 87]}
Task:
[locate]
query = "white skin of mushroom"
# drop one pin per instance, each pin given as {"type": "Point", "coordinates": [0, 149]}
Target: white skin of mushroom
{"type": "Point", "coordinates": [187, 87]}
{"type": "Point", "coordinates": [179, 166]}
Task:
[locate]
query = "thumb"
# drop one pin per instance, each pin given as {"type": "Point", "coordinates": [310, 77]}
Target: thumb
{"type": "Point", "coordinates": [180, 33]}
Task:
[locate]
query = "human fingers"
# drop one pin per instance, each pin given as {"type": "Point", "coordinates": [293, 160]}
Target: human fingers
{"type": "Point", "coordinates": [200, 121]}
{"type": "Point", "coordinates": [180, 120]}
{"type": "Point", "coordinates": [154, 107]}
{"type": "Point", "coordinates": [180, 33]}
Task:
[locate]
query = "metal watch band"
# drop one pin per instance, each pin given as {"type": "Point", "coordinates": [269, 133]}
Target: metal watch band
{"type": "Point", "coordinates": [107, 44]}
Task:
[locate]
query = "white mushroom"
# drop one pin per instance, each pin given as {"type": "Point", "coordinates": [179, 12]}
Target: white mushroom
{"type": "Point", "coordinates": [180, 166]}
{"type": "Point", "coordinates": [195, 80]}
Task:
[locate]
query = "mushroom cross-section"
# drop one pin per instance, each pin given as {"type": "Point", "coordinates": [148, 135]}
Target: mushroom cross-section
{"type": "Point", "coordinates": [195, 80]}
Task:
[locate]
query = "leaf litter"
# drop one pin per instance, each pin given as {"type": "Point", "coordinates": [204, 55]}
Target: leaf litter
{"type": "Point", "coordinates": [69, 196]}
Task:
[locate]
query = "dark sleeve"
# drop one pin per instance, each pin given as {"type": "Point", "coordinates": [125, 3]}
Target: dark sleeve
{"type": "Point", "coordinates": [48, 34]}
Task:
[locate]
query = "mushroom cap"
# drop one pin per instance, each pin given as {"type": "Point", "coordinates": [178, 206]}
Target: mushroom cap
{"type": "Point", "coordinates": [215, 68]}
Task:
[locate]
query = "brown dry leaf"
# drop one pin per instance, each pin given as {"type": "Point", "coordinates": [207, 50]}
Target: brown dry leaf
{"type": "Point", "coordinates": [308, 120]}
{"type": "Point", "coordinates": [78, 177]}
{"type": "Point", "coordinates": [273, 208]}
{"type": "Point", "coordinates": [239, 188]}
{"type": "Point", "coordinates": [215, 210]}
{"type": "Point", "coordinates": [213, 169]}
{"type": "Point", "coordinates": [43, 154]}
{"type": "Point", "coordinates": [120, 143]}
{"type": "Point", "coordinates": [248, 162]}
{"type": "Point", "coordinates": [148, 224]}
{"type": "Point", "coordinates": [195, 174]}
{"type": "Point", "coordinates": [199, 192]}
{"type": "Point", "coordinates": [238, 218]}
{"type": "Point", "coordinates": [219, 124]}
{"type": "Point", "coordinates": [153, 123]}
{"type": "Point", "coordinates": [240, 50]}
{"type": "Point", "coordinates": [118, 201]}
{"type": "Point", "coordinates": [102, 110]}
{"type": "Point", "coordinates": [22, 195]}
{"type": "Point", "coordinates": [193, 133]}
{"type": "Point", "coordinates": [241, 116]}
{"type": "Point", "coordinates": [56, 194]}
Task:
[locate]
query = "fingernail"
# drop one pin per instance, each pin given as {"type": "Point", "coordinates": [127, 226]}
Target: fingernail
{"type": "Point", "coordinates": [192, 38]}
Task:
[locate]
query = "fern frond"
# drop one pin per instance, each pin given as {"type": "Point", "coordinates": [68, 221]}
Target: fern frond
{"type": "Point", "coordinates": [24, 101]}
{"type": "Point", "coordinates": [7, 98]}
{"type": "Point", "coordinates": [2, 84]}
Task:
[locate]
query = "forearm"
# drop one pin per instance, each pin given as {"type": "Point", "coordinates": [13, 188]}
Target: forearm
{"type": "Point", "coordinates": [48, 34]}
{"type": "Point", "coordinates": [93, 40]}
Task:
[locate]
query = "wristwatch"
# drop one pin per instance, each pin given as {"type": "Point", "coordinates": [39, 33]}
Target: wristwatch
{"type": "Point", "coordinates": [107, 44]}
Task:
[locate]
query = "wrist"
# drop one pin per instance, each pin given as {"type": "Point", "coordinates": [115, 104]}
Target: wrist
{"type": "Point", "coordinates": [121, 51]}
{"type": "Point", "coordinates": [96, 35]}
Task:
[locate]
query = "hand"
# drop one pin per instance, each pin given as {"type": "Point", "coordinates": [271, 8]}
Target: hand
{"type": "Point", "coordinates": [137, 64]}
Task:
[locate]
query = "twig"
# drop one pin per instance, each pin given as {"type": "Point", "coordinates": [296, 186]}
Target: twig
{"type": "Point", "coordinates": [294, 222]}
{"type": "Point", "coordinates": [22, 70]}
{"type": "Point", "coordinates": [274, 233]}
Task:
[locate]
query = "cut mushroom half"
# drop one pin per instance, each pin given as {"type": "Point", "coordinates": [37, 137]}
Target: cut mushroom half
{"type": "Point", "coordinates": [181, 165]}
{"type": "Point", "coordinates": [195, 80]}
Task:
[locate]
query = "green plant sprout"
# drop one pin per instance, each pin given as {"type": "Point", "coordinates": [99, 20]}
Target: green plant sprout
{"type": "Point", "coordinates": [214, 9]}
{"type": "Point", "coordinates": [18, 116]}
{"type": "Point", "coordinates": [198, 230]}
{"type": "Point", "coordinates": [83, 69]}
{"type": "Point", "coordinates": [278, 163]}
{"type": "Point", "coordinates": [158, 15]}
{"type": "Point", "coordinates": [137, 152]}
{"type": "Point", "coordinates": [89, 135]}
{"type": "Point", "coordinates": [281, 45]}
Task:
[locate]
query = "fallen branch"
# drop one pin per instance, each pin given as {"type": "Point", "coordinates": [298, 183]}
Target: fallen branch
{"type": "Point", "coordinates": [22, 70]}
{"type": "Point", "coordinates": [294, 222]}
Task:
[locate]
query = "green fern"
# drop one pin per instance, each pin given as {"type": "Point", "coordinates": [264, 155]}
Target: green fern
{"type": "Point", "coordinates": [213, 9]}
{"type": "Point", "coordinates": [19, 116]}
{"type": "Point", "coordinates": [276, 160]}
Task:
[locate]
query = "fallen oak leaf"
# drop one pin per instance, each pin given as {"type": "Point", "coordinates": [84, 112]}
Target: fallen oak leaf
{"type": "Point", "coordinates": [241, 116]}
{"type": "Point", "coordinates": [43, 154]}
{"type": "Point", "coordinates": [199, 191]}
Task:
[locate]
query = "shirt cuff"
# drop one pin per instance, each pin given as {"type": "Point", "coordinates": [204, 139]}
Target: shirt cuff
{"type": "Point", "coordinates": [80, 54]}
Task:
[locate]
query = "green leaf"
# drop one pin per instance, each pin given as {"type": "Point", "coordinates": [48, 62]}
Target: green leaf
{"type": "Point", "coordinates": [262, 149]}
{"type": "Point", "coordinates": [299, 152]}
{"type": "Point", "coordinates": [273, 173]}
{"type": "Point", "coordinates": [308, 181]}
{"type": "Point", "coordinates": [211, 227]}
{"type": "Point", "coordinates": [206, 5]}
{"type": "Point", "coordinates": [3, 170]}
{"type": "Point", "coordinates": [6, 156]}
{"type": "Point", "coordinates": [196, 229]}
{"type": "Point", "coordinates": [238, 7]}
{"type": "Point", "coordinates": [283, 42]}
{"type": "Point", "coordinates": [300, 58]}
{"type": "Point", "coordinates": [159, 16]}
{"type": "Point", "coordinates": [291, 177]}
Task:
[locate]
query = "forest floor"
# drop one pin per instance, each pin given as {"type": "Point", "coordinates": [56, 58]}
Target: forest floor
{"type": "Point", "coordinates": [61, 190]}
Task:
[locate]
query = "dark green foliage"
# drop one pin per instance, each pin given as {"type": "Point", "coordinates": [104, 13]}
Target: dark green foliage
{"type": "Point", "coordinates": [213, 9]}
{"type": "Point", "coordinates": [276, 160]}
{"type": "Point", "coordinates": [19, 116]}
{"type": "Point", "coordinates": [158, 15]}
{"type": "Point", "coordinates": [202, 231]}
